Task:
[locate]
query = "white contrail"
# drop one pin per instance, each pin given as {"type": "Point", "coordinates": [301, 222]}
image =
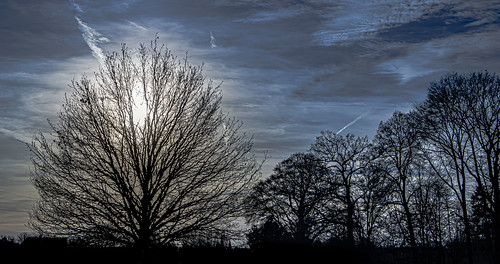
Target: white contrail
{"type": "Point", "coordinates": [213, 41]}
{"type": "Point", "coordinates": [353, 121]}
{"type": "Point", "coordinates": [138, 26]}
{"type": "Point", "coordinates": [91, 37]}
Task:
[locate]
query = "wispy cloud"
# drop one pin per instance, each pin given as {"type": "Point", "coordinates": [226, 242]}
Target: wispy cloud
{"type": "Point", "coordinates": [213, 41]}
{"type": "Point", "coordinates": [77, 7]}
{"type": "Point", "coordinates": [407, 69]}
{"type": "Point", "coordinates": [348, 21]}
{"type": "Point", "coordinates": [22, 136]}
{"type": "Point", "coordinates": [267, 16]}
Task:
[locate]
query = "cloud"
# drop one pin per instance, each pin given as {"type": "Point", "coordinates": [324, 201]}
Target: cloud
{"type": "Point", "coordinates": [408, 68]}
{"type": "Point", "coordinates": [267, 16]}
{"type": "Point", "coordinates": [29, 98]}
{"type": "Point", "coordinates": [431, 59]}
{"type": "Point", "coordinates": [77, 7]}
{"type": "Point", "coordinates": [348, 21]}
{"type": "Point", "coordinates": [17, 196]}
{"type": "Point", "coordinates": [213, 41]}
{"type": "Point", "coordinates": [18, 134]}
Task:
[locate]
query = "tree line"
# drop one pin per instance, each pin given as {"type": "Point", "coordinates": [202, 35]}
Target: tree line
{"type": "Point", "coordinates": [428, 179]}
{"type": "Point", "coordinates": [143, 156]}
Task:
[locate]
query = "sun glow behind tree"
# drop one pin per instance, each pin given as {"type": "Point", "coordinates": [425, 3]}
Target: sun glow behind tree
{"type": "Point", "coordinates": [140, 107]}
{"type": "Point", "coordinates": [142, 155]}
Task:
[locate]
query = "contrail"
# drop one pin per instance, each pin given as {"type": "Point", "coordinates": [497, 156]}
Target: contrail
{"type": "Point", "coordinates": [91, 37]}
{"type": "Point", "coordinates": [138, 26]}
{"type": "Point", "coordinates": [353, 121]}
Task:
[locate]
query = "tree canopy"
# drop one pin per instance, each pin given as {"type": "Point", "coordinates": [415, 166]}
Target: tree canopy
{"type": "Point", "coordinates": [141, 154]}
{"type": "Point", "coordinates": [295, 196]}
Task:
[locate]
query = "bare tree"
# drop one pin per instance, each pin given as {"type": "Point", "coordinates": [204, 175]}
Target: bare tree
{"type": "Point", "coordinates": [296, 196]}
{"type": "Point", "coordinates": [398, 141]}
{"type": "Point", "coordinates": [465, 111]}
{"type": "Point", "coordinates": [481, 92]}
{"type": "Point", "coordinates": [481, 222]}
{"type": "Point", "coordinates": [431, 199]}
{"type": "Point", "coordinates": [375, 191]}
{"type": "Point", "coordinates": [448, 146]}
{"type": "Point", "coordinates": [142, 155]}
{"type": "Point", "coordinates": [346, 157]}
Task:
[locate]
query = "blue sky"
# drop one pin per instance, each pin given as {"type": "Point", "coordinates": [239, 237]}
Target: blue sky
{"type": "Point", "coordinates": [289, 68]}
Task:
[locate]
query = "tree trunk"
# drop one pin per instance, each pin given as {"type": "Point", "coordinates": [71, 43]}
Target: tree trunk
{"type": "Point", "coordinates": [411, 231]}
{"type": "Point", "coordinates": [350, 217]}
{"type": "Point", "coordinates": [468, 240]}
{"type": "Point", "coordinates": [496, 219]}
{"type": "Point", "coordinates": [300, 232]}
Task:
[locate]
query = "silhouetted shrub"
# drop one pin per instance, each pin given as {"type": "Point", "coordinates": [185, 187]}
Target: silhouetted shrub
{"type": "Point", "coordinates": [7, 242]}
{"type": "Point", "coordinates": [45, 242]}
{"type": "Point", "coordinates": [269, 234]}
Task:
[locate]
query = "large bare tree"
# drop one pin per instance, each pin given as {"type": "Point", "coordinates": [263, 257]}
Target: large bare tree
{"type": "Point", "coordinates": [448, 146]}
{"type": "Point", "coordinates": [141, 155]}
{"type": "Point", "coordinates": [463, 111]}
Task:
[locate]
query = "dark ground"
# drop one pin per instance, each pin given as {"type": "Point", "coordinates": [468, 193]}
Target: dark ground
{"type": "Point", "coordinates": [61, 252]}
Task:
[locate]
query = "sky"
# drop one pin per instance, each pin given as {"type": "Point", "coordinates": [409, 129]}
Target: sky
{"type": "Point", "coordinates": [289, 69]}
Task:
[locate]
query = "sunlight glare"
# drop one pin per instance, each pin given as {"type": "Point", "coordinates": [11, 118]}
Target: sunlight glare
{"type": "Point", "coordinates": [139, 107]}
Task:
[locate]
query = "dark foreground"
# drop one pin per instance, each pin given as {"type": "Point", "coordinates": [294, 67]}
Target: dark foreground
{"type": "Point", "coordinates": [13, 253]}
{"type": "Point", "coordinates": [191, 255]}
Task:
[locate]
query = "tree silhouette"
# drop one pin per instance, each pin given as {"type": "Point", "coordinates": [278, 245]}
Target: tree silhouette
{"type": "Point", "coordinates": [375, 190]}
{"type": "Point", "coordinates": [398, 142]}
{"type": "Point", "coordinates": [482, 224]}
{"type": "Point", "coordinates": [431, 200]}
{"type": "Point", "coordinates": [267, 235]}
{"type": "Point", "coordinates": [346, 157]}
{"type": "Point", "coordinates": [295, 196]}
{"type": "Point", "coordinates": [142, 155]}
{"type": "Point", "coordinates": [464, 112]}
